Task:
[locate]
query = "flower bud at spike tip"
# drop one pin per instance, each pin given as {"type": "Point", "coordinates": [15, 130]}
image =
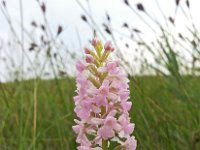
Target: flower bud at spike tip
{"type": "Point", "coordinates": [87, 50]}
{"type": "Point", "coordinates": [102, 102]}
{"type": "Point", "coordinates": [89, 59]}
{"type": "Point", "coordinates": [95, 42]}
{"type": "Point", "coordinates": [108, 46]}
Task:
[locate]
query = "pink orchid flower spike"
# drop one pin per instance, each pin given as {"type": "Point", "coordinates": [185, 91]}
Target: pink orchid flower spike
{"type": "Point", "coordinates": [102, 102]}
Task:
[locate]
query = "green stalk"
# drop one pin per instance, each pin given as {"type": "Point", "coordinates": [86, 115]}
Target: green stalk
{"type": "Point", "coordinates": [104, 145]}
{"type": "Point", "coordinates": [99, 61]}
{"type": "Point", "coordinates": [104, 142]}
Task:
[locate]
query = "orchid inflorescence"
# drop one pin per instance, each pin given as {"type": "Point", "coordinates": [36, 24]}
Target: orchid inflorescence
{"type": "Point", "coordinates": [102, 102]}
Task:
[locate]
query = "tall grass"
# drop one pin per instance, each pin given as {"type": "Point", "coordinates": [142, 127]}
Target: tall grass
{"type": "Point", "coordinates": [165, 117]}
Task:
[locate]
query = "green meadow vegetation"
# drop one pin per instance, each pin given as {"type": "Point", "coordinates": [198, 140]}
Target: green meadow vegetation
{"type": "Point", "coordinates": [38, 114]}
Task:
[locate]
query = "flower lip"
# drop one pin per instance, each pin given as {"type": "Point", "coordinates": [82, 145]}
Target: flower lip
{"type": "Point", "coordinates": [110, 121]}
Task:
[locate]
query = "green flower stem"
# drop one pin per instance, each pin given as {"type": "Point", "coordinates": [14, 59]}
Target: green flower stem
{"type": "Point", "coordinates": [104, 142]}
{"type": "Point", "coordinates": [104, 145]}
{"type": "Point", "coordinates": [99, 61]}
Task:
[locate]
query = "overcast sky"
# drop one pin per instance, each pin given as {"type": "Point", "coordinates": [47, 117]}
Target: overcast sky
{"type": "Point", "coordinates": [67, 13]}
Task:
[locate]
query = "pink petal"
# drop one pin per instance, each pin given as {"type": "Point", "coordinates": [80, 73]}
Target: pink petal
{"type": "Point", "coordinates": [102, 69]}
{"type": "Point", "coordinates": [131, 143]}
{"type": "Point", "coordinates": [106, 132]}
{"type": "Point", "coordinates": [100, 100]}
{"type": "Point", "coordinates": [110, 121]}
{"type": "Point", "coordinates": [129, 129]}
{"type": "Point", "coordinates": [124, 95]}
{"type": "Point", "coordinates": [77, 128]}
{"type": "Point", "coordinates": [126, 106]}
{"type": "Point", "coordinates": [80, 66]}
{"type": "Point", "coordinates": [97, 121]}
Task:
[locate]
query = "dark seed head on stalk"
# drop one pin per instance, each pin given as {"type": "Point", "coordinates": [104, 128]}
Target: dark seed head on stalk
{"type": "Point", "coordinates": [34, 24]}
{"type": "Point", "coordinates": [55, 55]}
{"type": "Point", "coordinates": [127, 45]}
{"type": "Point", "coordinates": [62, 73]}
{"type": "Point", "coordinates": [43, 27]}
{"type": "Point", "coordinates": [177, 2]}
{"type": "Point", "coordinates": [108, 17]}
{"type": "Point", "coordinates": [126, 2]}
{"type": "Point", "coordinates": [125, 25]}
{"type": "Point", "coordinates": [59, 30]}
{"type": "Point", "coordinates": [4, 3]}
{"type": "Point", "coordinates": [187, 3]}
{"type": "Point", "coordinates": [94, 32]}
{"type": "Point", "coordinates": [194, 44]}
{"type": "Point", "coordinates": [48, 52]}
{"type": "Point", "coordinates": [181, 36]}
{"type": "Point", "coordinates": [140, 43]}
{"type": "Point", "coordinates": [171, 20]}
{"type": "Point", "coordinates": [32, 46]}
{"type": "Point", "coordinates": [107, 28]}
{"type": "Point", "coordinates": [140, 7]}
{"type": "Point", "coordinates": [43, 7]}
{"type": "Point", "coordinates": [136, 30]}
{"type": "Point", "coordinates": [84, 18]}
{"type": "Point", "coordinates": [42, 38]}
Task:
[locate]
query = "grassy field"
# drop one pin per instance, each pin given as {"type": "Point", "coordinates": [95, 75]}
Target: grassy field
{"type": "Point", "coordinates": [38, 114]}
